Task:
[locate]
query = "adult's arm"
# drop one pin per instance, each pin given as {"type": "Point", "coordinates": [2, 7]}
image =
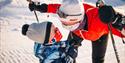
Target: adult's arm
{"type": "Point", "coordinates": [44, 8]}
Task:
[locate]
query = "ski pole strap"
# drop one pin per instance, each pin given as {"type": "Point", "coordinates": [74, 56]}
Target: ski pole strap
{"type": "Point", "coordinates": [113, 42]}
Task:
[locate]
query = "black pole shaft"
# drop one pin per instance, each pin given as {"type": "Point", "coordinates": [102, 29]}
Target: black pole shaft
{"type": "Point", "coordinates": [113, 42]}
{"type": "Point", "coordinates": [36, 16]}
{"type": "Point", "coordinates": [123, 41]}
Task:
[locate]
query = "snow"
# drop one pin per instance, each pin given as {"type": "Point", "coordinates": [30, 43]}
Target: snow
{"type": "Point", "coordinates": [16, 48]}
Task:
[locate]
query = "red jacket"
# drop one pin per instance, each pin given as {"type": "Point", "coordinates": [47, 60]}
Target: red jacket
{"type": "Point", "coordinates": [95, 26]}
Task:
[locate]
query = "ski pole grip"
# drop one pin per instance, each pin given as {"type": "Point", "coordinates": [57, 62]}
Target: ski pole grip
{"type": "Point", "coordinates": [100, 3]}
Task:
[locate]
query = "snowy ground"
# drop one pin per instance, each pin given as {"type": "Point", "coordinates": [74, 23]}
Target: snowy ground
{"type": "Point", "coordinates": [15, 48]}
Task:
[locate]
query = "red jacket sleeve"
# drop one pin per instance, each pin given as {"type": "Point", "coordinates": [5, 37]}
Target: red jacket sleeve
{"type": "Point", "coordinates": [96, 28]}
{"type": "Point", "coordinates": [117, 32]}
{"type": "Point", "coordinates": [87, 6]}
{"type": "Point", "coordinates": [89, 35]}
{"type": "Point", "coordinates": [52, 8]}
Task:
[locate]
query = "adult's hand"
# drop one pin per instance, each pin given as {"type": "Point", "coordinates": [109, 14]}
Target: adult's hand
{"type": "Point", "coordinates": [119, 21]}
{"type": "Point", "coordinates": [106, 14]}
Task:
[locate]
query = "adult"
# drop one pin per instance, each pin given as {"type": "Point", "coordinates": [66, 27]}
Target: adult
{"type": "Point", "coordinates": [85, 22]}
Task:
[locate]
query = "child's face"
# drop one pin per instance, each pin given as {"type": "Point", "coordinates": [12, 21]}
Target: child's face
{"type": "Point", "coordinates": [55, 33]}
{"type": "Point", "coordinates": [52, 33]}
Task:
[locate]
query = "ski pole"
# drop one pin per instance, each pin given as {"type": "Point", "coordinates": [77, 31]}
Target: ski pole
{"type": "Point", "coordinates": [124, 22]}
{"type": "Point", "coordinates": [36, 16]}
{"type": "Point", "coordinates": [113, 42]}
{"type": "Point", "coordinates": [110, 32]}
{"type": "Point", "coordinates": [123, 41]}
{"type": "Point", "coordinates": [30, 1]}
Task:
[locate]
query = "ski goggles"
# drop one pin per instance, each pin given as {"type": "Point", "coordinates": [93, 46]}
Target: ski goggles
{"type": "Point", "coordinates": [63, 15]}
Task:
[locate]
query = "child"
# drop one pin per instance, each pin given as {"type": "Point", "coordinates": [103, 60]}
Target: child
{"type": "Point", "coordinates": [48, 47]}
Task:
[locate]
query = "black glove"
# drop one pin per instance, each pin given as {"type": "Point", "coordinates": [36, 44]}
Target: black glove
{"type": "Point", "coordinates": [68, 59]}
{"type": "Point", "coordinates": [42, 8]}
{"type": "Point", "coordinates": [106, 14]}
{"type": "Point", "coordinates": [32, 6]}
{"type": "Point", "coordinates": [119, 21]}
{"type": "Point", "coordinates": [74, 40]}
{"type": "Point", "coordinates": [72, 52]}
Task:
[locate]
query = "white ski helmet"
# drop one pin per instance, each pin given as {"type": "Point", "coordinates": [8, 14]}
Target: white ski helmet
{"type": "Point", "coordinates": [73, 9]}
